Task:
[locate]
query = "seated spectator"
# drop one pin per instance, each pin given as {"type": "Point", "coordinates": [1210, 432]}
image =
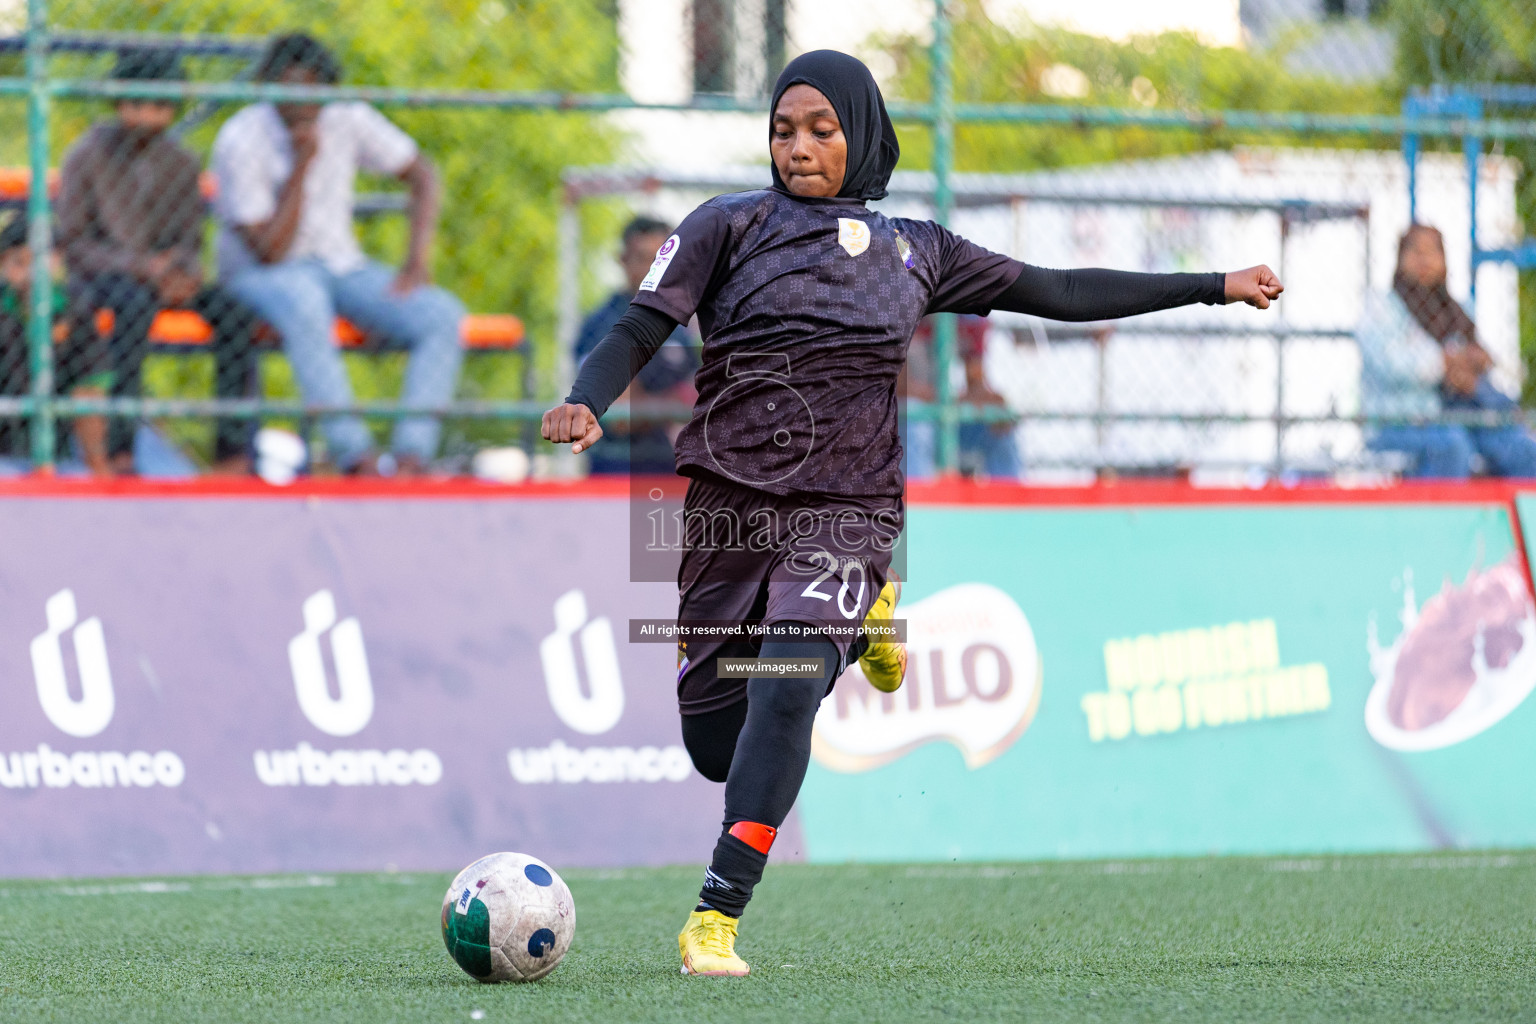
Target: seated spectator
{"type": "Point", "coordinates": [286, 246]}
{"type": "Point", "coordinates": [131, 226]}
{"type": "Point", "coordinates": [81, 362]}
{"type": "Point", "coordinates": [641, 446]}
{"type": "Point", "coordinates": [1419, 357]}
{"type": "Point", "coordinates": [986, 449]}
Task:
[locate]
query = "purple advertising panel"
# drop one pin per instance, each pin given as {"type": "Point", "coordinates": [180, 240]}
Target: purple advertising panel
{"type": "Point", "coordinates": [273, 684]}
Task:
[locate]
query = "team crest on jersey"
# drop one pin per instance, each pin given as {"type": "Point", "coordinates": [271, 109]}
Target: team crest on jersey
{"type": "Point", "coordinates": [852, 235]}
{"type": "Point", "coordinates": [904, 250]}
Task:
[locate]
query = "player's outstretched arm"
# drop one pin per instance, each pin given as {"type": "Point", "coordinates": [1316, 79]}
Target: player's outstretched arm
{"type": "Point", "coordinates": [621, 354]}
{"type": "Point", "coordinates": [1095, 294]}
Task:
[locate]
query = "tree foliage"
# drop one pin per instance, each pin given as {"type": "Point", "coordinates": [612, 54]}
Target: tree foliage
{"type": "Point", "coordinates": [1041, 64]}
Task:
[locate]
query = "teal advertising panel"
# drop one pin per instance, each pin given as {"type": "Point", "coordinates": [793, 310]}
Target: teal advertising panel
{"type": "Point", "coordinates": [1192, 680]}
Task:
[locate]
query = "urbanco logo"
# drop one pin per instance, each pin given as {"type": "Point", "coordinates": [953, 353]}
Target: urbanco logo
{"type": "Point", "coordinates": [343, 715]}
{"type": "Point", "coordinates": [602, 706]}
{"type": "Point", "coordinates": [593, 712]}
{"type": "Point", "coordinates": [349, 711]}
{"type": "Point", "coordinates": [93, 711]}
{"type": "Point", "coordinates": [87, 716]}
{"type": "Point", "coordinates": [973, 678]}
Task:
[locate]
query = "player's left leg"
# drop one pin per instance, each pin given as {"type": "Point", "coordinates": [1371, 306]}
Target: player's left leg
{"type": "Point", "coordinates": [710, 739]}
{"type": "Point", "coordinates": [772, 753]}
{"type": "Point", "coordinates": [714, 709]}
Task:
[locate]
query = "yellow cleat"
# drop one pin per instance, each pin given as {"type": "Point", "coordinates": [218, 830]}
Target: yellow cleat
{"type": "Point", "coordinates": [708, 945]}
{"type": "Point", "coordinates": [885, 663]}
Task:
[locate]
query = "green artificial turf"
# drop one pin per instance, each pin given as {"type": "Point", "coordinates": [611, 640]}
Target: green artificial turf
{"type": "Point", "coordinates": [1446, 937]}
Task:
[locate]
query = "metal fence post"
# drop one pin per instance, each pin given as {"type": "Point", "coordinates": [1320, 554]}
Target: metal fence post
{"type": "Point", "coordinates": [568, 321]}
{"type": "Point", "coordinates": [39, 237]}
{"type": "Point", "coordinates": [942, 72]}
{"type": "Point", "coordinates": [1472, 151]}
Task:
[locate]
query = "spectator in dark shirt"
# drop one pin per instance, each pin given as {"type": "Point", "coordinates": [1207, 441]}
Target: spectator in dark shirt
{"type": "Point", "coordinates": [986, 449]}
{"type": "Point", "coordinates": [82, 368]}
{"type": "Point", "coordinates": [641, 447]}
{"type": "Point", "coordinates": [131, 223]}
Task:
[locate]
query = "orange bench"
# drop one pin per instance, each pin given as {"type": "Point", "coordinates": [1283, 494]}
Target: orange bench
{"type": "Point", "coordinates": [16, 183]}
{"type": "Point", "coordinates": [178, 328]}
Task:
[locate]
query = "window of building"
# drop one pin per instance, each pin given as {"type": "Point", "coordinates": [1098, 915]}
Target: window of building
{"type": "Point", "coordinates": [738, 45]}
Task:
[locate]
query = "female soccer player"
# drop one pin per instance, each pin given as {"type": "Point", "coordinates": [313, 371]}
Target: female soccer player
{"type": "Point", "coordinates": [807, 300]}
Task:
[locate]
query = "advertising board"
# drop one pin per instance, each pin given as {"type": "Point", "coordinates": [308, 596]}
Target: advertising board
{"type": "Point", "coordinates": [244, 684]}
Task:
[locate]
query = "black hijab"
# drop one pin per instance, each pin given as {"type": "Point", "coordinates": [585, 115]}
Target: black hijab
{"type": "Point", "coordinates": [856, 99]}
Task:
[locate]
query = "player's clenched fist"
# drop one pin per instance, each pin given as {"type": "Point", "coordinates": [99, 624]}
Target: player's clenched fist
{"type": "Point", "coordinates": [571, 423]}
{"type": "Point", "coordinates": [1257, 286]}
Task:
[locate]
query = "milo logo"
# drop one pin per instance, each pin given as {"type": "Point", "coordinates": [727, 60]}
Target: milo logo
{"type": "Point", "coordinates": [973, 680]}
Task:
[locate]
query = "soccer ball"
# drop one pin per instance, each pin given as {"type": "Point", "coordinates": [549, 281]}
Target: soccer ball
{"type": "Point", "coordinates": [508, 917]}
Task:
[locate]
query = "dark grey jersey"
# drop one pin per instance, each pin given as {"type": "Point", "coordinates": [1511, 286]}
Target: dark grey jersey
{"type": "Point", "coordinates": [806, 307]}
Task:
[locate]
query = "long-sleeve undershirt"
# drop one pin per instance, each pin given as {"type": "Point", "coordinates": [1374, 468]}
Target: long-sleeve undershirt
{"type": "Point", "coordinates": [622, 353]}
{"type": "Point", "coordinates": [1073, 295]}
{"type": "Point", "coordinates": [1094, 294]}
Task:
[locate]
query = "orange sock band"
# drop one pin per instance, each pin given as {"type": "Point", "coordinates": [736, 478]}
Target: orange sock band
{"type": "Point", "coordinates": [759, 837]}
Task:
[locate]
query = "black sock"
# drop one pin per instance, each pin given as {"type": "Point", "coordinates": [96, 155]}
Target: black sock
{"type": "Point", "coordinates": [734, 872]}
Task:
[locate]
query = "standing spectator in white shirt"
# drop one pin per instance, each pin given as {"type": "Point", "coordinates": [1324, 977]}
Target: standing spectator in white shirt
{"type": "Point", "coordinates": [286, 246]}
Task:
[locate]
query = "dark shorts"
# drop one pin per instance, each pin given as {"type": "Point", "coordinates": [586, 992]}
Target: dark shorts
{"type": "Point", "coordinates": [756, 558]}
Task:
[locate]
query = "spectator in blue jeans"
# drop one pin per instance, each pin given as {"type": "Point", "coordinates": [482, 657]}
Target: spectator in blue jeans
{"type": "Point", "coordinates": [286, 175]}
{"type": "Point", "coordinates": [1420, 357]}
{"type": "Point", "coordinates": [131, 220]}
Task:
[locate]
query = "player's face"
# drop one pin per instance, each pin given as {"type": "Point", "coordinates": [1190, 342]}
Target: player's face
{"type": "Point", "coordinates": [298, 115]}
{"type": "Point", "coordinates": [1423, 260]}
{"type": "Point", "coordinates": [807, 143]}
{"type": "Point", "coordinates": [146, 117]}
{"type": "Point", "coordinates": [16, 268]}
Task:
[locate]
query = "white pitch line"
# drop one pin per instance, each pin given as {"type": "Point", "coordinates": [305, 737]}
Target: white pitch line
{"type": "Point", "coordinates": [162, 888]}
{"type": "Point", "coordinates": [1307, 864]}
{"type": "Point", "coordinates": [1393, 864]}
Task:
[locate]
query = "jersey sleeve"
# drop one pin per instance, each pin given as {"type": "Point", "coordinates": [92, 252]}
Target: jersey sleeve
{"type": "Point", "coordinates": [382, 148]}
{"type": "Point", "coordinates": [688, 265]}
{"type": "Point", "coordinates": [245, 195]}
{"type": "Point", "coordinates": [967, 278]}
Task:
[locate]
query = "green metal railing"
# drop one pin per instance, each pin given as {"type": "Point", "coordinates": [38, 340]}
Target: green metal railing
{"type": "Point", "coordinates": [39, 236]}
{"type": "Point", "coordinates": [940, 114]}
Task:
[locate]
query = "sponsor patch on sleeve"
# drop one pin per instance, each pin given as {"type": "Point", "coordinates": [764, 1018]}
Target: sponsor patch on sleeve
{"type": "Point", "coordinates": [659, 266]}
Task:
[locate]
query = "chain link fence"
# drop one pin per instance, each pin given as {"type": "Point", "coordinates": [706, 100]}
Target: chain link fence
{"type": "Point", "coordinates": [365, 236]}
